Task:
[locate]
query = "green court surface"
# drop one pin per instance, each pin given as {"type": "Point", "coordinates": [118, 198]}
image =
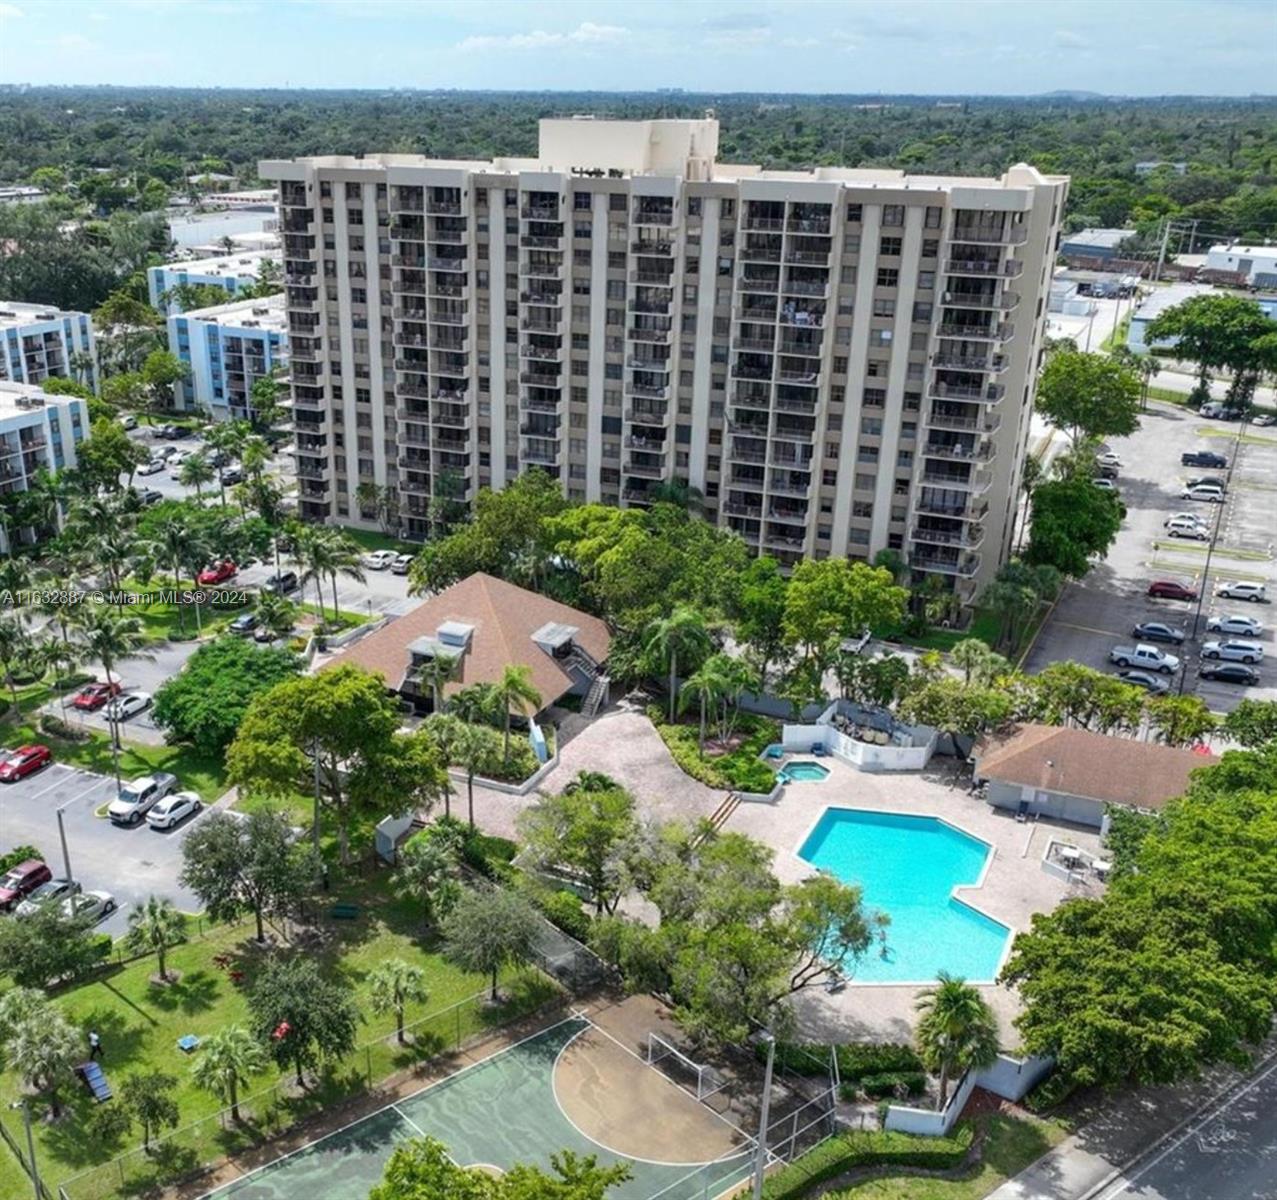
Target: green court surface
{"type": "Point", "coordinates": [499, 1112]}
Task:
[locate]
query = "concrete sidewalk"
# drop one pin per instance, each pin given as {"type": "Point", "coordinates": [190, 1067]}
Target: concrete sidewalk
{"type": "Point", "coordinates": [1130, 1127]}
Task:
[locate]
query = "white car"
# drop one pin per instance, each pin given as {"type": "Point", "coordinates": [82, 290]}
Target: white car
{"type": "Point", "coordinates": [47, 894]}
{"type": "Point", "coordinates": [1196, 518]}
{"type": "Point", "coordinates": [1105, 485]}
{"type": "Point", "coordinates": [1236, 625]}
{"type": "Point", "coordinates": [379, 560]}
{"type": "Point", "coordinates": [152, 466]}
{"type": "Point", "coordinates": [136, 799]}
{"type": "Point", "coordinates": [1244, 590]}
{"type": "Point", "coordinates": [1233, 651]}
{"type": "Point", "coordinates": [173, 809]}
{"type": "Point", "coordinates": [129, 421]}
{"type": "Point", "coordinates": [401, 564]}
{"type": "Point", "coordinates": [1210, 495]}
{"type": "Point", "coordinates": [128, 705]}
{"type": "Point", "coordinates": [1108, 459]}
{"type": "Point", "coordinates": [89, 907]}
{"type": "Point", "coordinates": [1193, 530]}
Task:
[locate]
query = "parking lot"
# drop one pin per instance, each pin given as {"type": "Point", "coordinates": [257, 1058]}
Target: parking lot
{"type": "Point", "coordinates": [129, 863]}
{"type": "Point", "coordinates": [1102, 610]}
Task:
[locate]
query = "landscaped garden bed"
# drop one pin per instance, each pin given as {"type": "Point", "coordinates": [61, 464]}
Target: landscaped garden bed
{"type": "Point", "coordinates": [738, 768]}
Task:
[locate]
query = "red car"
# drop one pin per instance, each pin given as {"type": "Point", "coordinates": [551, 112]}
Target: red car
{"type": "Point", "coordinates": [93, 696]}
{"type": "Point", "coordinates": [217, 573]}
{"type": "Point", "coordinates": [1168, 589]}
{"type": "Point", "coordinates": [23, 761]}
{"type": "Point", "coordinates": [20, 881]}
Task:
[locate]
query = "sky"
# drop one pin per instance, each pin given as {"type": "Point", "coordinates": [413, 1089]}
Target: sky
{"type": "Point", "coordinates": [1007, 47]}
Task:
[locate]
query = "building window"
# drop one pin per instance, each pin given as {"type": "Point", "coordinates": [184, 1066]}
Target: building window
{"type": "Point", "coordinates": [891, 246]}
{"type": "Point", "coordinates": [893, 214]}
{"type": "Point", "coordinates": [693, 206]}
{"type": "Point", "coordinates": [581, 201]}
{"type": "Point", "coordinates": [888, 277]}
{"type": "Point", "coordinates": [854, 213]}
{"type": "Point", "coordinates": [933, 218]}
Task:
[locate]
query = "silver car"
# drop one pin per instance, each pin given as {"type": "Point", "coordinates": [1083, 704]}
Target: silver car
{"type": "Point", "coordinates": [89, 907]}
{"type": "Point", "coordinates": [1233, 651]}
{"type": "Point", "coordinates": [173, 809]}
{"type": "Point", "coordinates": [1235, 625]}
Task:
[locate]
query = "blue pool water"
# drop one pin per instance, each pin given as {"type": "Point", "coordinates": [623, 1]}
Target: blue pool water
{"type": "Point", "coordinates": [804, 772]}
{"type": "Point", "coordinates": [907, 866]}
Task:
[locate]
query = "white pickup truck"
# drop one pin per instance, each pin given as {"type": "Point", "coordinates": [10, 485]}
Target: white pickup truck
{"type": "Point", "coordinates": [1148, 657]}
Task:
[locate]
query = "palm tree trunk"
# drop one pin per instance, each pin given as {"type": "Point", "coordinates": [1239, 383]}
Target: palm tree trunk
{"type": "Point", "coordinates": [494, 985]}
{"type": "Point", "coordinates": [336, 610]}
{"type": "Point", "coordinates": [233, 1087]}
{"type": "Point", "coordinates": [702, 741]}
{"type": "Point", "coordinates": [673, 678]}
{"type": "Point", "coordinates": [399, 1030]}
{"type": "Point", "coordinates": [944, 1085]}
{"type": "Point", "coordinates": [470, 794]}
{"type": "Point", "coordinates": [506, 750]}
{"type": "Point", "coordinates": [159, 953]}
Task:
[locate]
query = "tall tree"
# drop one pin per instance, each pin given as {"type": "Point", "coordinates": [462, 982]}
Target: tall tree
{"type": "Point", "coordinates": [681, 639]}
{"type": "Point", "coordinates": [516, 693]}
{"type": "Point", "coordinates": [427, 869]}
{"type": "Point", "coordinates": [957, 1030]}
{"type": "Point", "coordinates": [1088, 395]}
{"type": "Point", "coordinates": [156, 926]}
{"type": "Point", "coordinates": [488, 931]}
{"type": "Point", "coordinates": [147, 1096]}
{"type": "Point", "coordinates": [301, 1016]}
{"type": "Point", "coordinates": [1072, 521]}
{"type": "Point", "coordinates": [760, 613]}
{"type": "Point", "coordinates": [43, 1049]}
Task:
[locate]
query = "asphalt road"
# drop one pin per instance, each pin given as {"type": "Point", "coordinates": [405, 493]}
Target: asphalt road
{"type": "Point", "coordinates": [129, 863]}
{"type": "Point", "coordinates": [1098, 613]}
{"type": "Point", "coordinates": [1229, 1153]}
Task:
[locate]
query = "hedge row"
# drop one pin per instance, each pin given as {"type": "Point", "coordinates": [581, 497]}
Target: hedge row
{"type": "Point", "coordinates": [867, 1148]}
{"type": "Point", "coordinates": [886, 1085]}
{"type": "Point", "coordinates": [856, 1060]}
{"type": "Point", "coordinates": [564, 909]}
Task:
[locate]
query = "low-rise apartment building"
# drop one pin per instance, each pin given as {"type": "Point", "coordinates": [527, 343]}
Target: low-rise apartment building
{"type": "Point", "coordinates": [227, 348]}
{"type": "Point", "coordinates": [839, 360]}
{"type": "Point", "coordinates": [228, 271]}
{"type": "Point", "coordinates": [42, 341]}
{"type": "Point", "coordinates": [37, 431]}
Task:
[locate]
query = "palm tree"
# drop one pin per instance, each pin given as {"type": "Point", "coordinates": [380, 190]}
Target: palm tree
{"type": "Point", "coordinates": [445, 730]}
{"type": "Point", "coordinates": [178, 544]}
{"type": "Point", "coordinates": [471, 750]}
{"type": "Point", "coordinates": [196, 472]}
{"type": "Point", "coordinates": [114, 552]}
{"type": "Point", "coordinates": [43, 1049]}
{"type": "Point", "coordinates": [276, 613]}
{"type": "Point", "coordinates": [59, 656]}
{"type": "Point", "coordinates": [343, 557]}
{"type": "Point", "coordinates": [110, 637]}
{"type": "Point", "coordinates": [156, 926]}
{"type": "Point", "coordinates": [956, 1032]}
{"type": "Point", "coordinates": [707, 685]}
{"type": "Point", "coordinates": [969, 654]}
{"type": "Point", "coordinates": [425, 871]}
{"type": "Point", "coordinates": [15, 578]}
{"type": "Point", "coordinates": [515, 691]}
{"type": "Point", "coordinates": [81, 363]}
{"type": "Point", "coordinates": [43, 499]}
{"type": "Point", "coordinates": [392, 983]}
{"type": "Point", "coordinates": [435, 672]}
{"type": "Point", "coordinates": [680, 635]}
{"type": "Point", "coordinates": [227, 1058]}
{"type": "Point", "coordinates": [15, 653]}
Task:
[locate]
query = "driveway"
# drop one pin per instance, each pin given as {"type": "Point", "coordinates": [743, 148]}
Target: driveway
{"type": "Point", "coordinates": [1101, 611]}
{"type": "Point", "coordinates": [128, 863]}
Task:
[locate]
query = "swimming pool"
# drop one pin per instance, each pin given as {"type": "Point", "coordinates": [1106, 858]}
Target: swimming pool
{"type": "Point", "coordinates": [803, 772]}
{"type": "Point", "coordinates": [907, 867]}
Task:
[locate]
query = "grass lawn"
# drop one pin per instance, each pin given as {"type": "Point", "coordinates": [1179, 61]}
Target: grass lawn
{"type": "Point", "coordinates": [177, 623]}
{"type": "Point", "coordinates": [374, 539]}
{"type": "Point", "coordinates": [1010, 1145]}
{"type": "Point", "coordinates": [984, 625]}
{"type": "Point", "coordinates": [140, 1023]}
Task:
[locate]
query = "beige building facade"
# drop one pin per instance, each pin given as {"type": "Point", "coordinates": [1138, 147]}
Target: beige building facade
{"type": "Point", "coordinates": [840, 361]}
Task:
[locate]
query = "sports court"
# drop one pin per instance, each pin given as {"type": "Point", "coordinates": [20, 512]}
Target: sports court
{"type": "Point", "coordinates": [570, 1087]}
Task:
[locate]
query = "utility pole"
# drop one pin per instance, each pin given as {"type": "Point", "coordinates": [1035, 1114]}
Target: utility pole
{"type": "Point", "coordinates": [760, 1158]}
{"type": "Point", "coordinates": [35, 1170]}
{"type": "Point", "coordinates": [1161, 254]}
{"type": "Point", "coordinates": [66, 856]}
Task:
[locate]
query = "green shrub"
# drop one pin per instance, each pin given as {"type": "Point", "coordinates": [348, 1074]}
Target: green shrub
{"type": "Point", "coordinates": [490, 856]}
{"type": "Point", "coordinates": [867, 1148]}
{"type": "Point", "coordinates": [564, 909]}
{"type": "Point", "coordinates": [1050, 1093]}
{"type": "Point", "coordinates": [521, 764]}
{"type": "Point", "coordinates": [886, 1084]}
{"type": "Point", "coordinates": [741, 770]}
{"type": "Point", "coordinates": [56, 727]}
{"type": "Point", "coordinates": [19, 854]}
{"type": "Point", "coordinates": [855, 1059]}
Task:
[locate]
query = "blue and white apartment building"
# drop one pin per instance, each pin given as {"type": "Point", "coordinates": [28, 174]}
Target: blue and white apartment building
{"type": "Point", "coordinates": [38, 342]}
{"type": "Point", "coordinates": [228, 271]}
{"type": "Point", "coordinates": [37, 431]}
{"type": "Point", "coordinates": [228, 348]}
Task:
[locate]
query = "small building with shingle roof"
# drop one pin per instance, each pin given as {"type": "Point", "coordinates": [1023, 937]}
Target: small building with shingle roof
{"type": "Point", "coordinates": [1073, 774]}
{"type": "Point", "coordinates": [485, 624]}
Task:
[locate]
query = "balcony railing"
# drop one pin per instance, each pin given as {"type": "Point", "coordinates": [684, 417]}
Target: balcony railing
{"type": "Point", "coordinates": [1009, 235]}
{"type": "Point", "coordinates": [969, 537]}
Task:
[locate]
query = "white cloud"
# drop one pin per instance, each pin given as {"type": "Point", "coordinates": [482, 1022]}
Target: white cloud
{"type": "Point", "coordinates": [74, 43]}
{"type": "Point", "coordinates": [1070, 40]}
{"type": "Point", "coordinates": [741, 39]}
{"type": "Point", "coordinates": [10, 10]}
{"type": "Point", "coordinates": [586, 34]}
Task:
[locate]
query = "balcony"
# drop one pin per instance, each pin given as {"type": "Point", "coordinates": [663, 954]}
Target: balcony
{"type": "Point", "coordinates": [793, 404]}
{"type": "Point", "coordinates": [803, 318]}
{"type": "Point", "coordinates": [760, 252]}
{"type": "Point", "coordinates": [653, 247]}
{"type": "Point", "coordinates": [653, 214]}
{"type": "Point", "coordinates": [542, 270]}
{"type": "Point", "coordinates": [657, 336]}
{"type": "Point", "coordinates": [969, 537]}
{"type": "Point", "coordinates": [540, 404]}
{"type": "Point", "coordinates": [805, 223]}
{"type": "Point", "coordinates": [407, 231]}
{"type": "Point", "coordinates": [448, 237]}
{"type": "Point", "coordinates": [982, 300]}
{"type": "Point", "coordinates": [975, 482]}
{"type": "Point", "coordinates": [738, 508]}
{"type": "Point", "coordinates": [805, 287]}
{"type": "Point", "coordinates": [976, 333]}
{"type": "Point", "coordinates": [652, 278]}
{"type": "Point", "coordinates": [789, 516]}
{"type": "Point", "coordinates": [964, 423]}
{"type": "Point", "coordinates": [761, 222]}
{"type": "Point", "coordinates": [439, 263]}
{"type": "Point", "coordinates": [660, 308]}
{"type": "Point", "coordinates": [648, 391]}
{"type": "Point", "coordinates": [647, 416]}
{"type": "Point", "coordinates": [1008, 235]}
{"type": "Point", "coordinates": [811, 258]}
{"type": "Point", "coordinates": [794, 433]}
{"type": "Point", "coordinates": [443, 207]}
{"type": "Point", "coordinates": [634, 441]}
{"type": "Point", "coordinates": [455, 291]}
{"type": "Point", "coordinates": [443, 317]}
{"type": "Point", "coordinates": [661, 366]}
{"type": "Point", "coordinates": [970, 362]}
{"type": "Point", "coordinates": [965, 565]}
{"type": "Point", "coordinates": [542, 353]}
{"type": "Point", "coordinates": [541, 212]}
{"type": "Point", "coordinates": [955, 452]}
{"type": "Point", "coordinates": [644, 470]}
{"type": "Point", "coordinates": [542, 299]}
{"type": "Point", "coordinates": [783, 541]}
{"type": "Point", "coordinates": [450, 419]}
{"type": "Point", "coordinates": [539, 454]}
{"type": "Point", "coordinates": [749, 283]}
{"type": "Point", "coordinates": [804, 378]}
{"type": "Point", "coordinates": [790, 487]}
{"type": "Point", "coordinates": [746, 453]}
{"type": "Point", "coordinates": [990, 393]}
{"type": "Point", "coordinates": [750, 428]}
{"type": "Point", "coordinates": [806, 349]}
{"type": "Point", "coordinates": [752, 395]}
{"type": "Point", "coordinates": [540, 324]}
{"type": "Point", "coordinates": [541, 379]}
{"type": "Point", "coordinates": [764, 345]}
{"type": "Point", "coordinates": [451, 395]}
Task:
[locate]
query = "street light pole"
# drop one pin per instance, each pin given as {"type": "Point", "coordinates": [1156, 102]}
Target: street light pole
{"type": "Point", "coordinates": [35, 1170]}
{"type": "Point", "coordinates": [760, 1158]}
{"type": "Point", "coordinates": [66, 855]}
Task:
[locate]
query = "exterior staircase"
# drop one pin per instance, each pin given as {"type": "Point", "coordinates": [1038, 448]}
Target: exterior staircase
{"type": "Point", "coordinates": [596, 697]}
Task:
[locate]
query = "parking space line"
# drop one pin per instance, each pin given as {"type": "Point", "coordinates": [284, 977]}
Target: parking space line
{"type": "Point", "coordinates": [101, 779]}
{"type": "Point", "coordinates": [1089, 629]}
{"type": "Point", "coordinates": [58, 782]}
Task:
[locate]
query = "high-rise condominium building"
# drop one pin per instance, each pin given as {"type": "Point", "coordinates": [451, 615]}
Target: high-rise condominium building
{"type": "Point", "coordinates": [839, 360]}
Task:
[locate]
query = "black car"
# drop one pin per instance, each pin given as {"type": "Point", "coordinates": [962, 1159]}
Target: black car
{"type": "Point", "coordinates": [1157, 631]}
{"type": "Point", "coordinates": [283, 583]}
{"type": "Point", "coordinates": [1207, 481]}
{"type": "Point", "coordinates": [1229, 672]}
{"type": "Point", "coordinates": [244, 624]}
{"type": "Point", "coordinates": [232, 475]}
{"type": "Point", "coordinates": [1142, 679]}
{"type": "Point", "coordinates": [1202, 458]}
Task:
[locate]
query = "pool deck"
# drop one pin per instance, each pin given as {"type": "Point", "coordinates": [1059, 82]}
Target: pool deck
{"type": "Point", "coordinates": [1014, 887]}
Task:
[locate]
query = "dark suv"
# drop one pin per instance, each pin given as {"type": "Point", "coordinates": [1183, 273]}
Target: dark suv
{"type": "Point", "coordinates": [1202, 458]}
{"type": "Point", "coordinates": [282, 584]}
{"type": "Point", "coordinates": [1231, 672]}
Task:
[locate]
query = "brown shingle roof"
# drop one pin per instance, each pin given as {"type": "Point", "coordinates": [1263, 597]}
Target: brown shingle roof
{"type": "Point", "coordinates": [504, 618]}
{"type": "Point", "coordinates": [1077, 762]}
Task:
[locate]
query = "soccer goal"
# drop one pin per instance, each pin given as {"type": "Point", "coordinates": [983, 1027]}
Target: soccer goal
{"type": "Point", "coordinates": [702, 1080]}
